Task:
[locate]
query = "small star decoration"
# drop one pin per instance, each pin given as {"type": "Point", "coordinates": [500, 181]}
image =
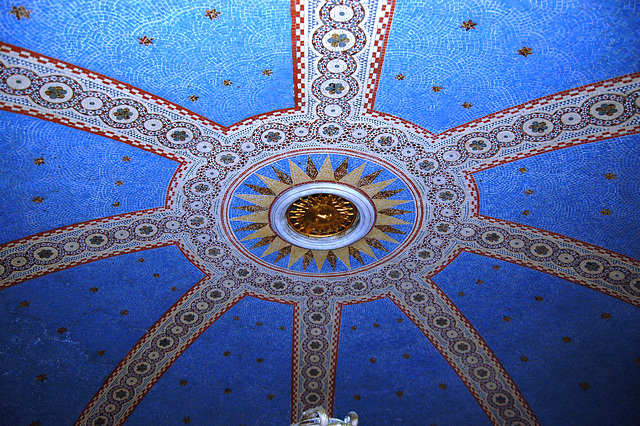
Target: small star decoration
{"type": "Point", "coordinates": [353, 327]}
{"type": "Point", "coordinates": [212, 14]}
{"type": "Point", "coordinates": [156, 275]}
{"type": "Point", "coordinates": [610, 176]}
{"type": "Point", "coordinates": [461, 293]}
{"type": "Point", "coordinates": [606, 212]}
{"type": "Point", "coordinates": [400, 76]}
{"type": "Point", "coordinates": [538, 298]}
{"type": "Point", "coordinates": [522, 170]}
{"type": "Point", "coordinates": [259, 360]}
{"type": "Point", "coordinates": [442, 386]}
{"type": "Point", "coordinates": [62, 330]}
{"type": "Point", "coordinates": [357, 397]}
{"type": "Point", "coordinates": [468, 25]}
{"type": "Point", "coordinates": [405, 356]}
{"type": "Point", "coordinates": [507, 319]}
{"type": "Point", "coordinates": [174, 288]}
{"type": "Point", "coordinates": [605, 315]}
{"type": "Point", "coordinates": [193, 98]}
{"type": "Point", "coordinates": [585, 385]}
{"type": "Point", "coordinates": [183, 382]}
{"type": "Point", "coordinates": [41, 377]}
{"type": "Point", "coordinates": [376, 325]}
{"type": "Point", "coordinates": [566, 339]}
{"type": "Point", "coordinates": [146, 40]}
{"type": "Point", "coordinates": [227, 83]}
{"type": "Point", "coordinates": [526, 212]}
{"type": "Point", "coordinates": [226, 353]}
{"type": "Point", "coordinates": [399, 320]}
{"type": "Point", "coordinates": [436, 89]}
{"type": "Point", "coordinates": [124, 312]}
{"type": "Point", "coordinates": [186, 420]}
{"type": "Point", "coordinates": [525, 51]}
{"type": "Point", "coordinates": [399, 393]}
{"type": "Point", "coordinates": [119, 183]}
{"type": "Point", "coordinates": [37, 199]}
{"type": "Point", "coordinates": [496, 267]}
{"type": "Point", "coordinates": [36, 423]}
{"type": "Point", "coordinates": [267, 72]}
{"type": "Point", "coordinates": [101, 352]}
{"type": "Point", "coordinates": [24, 304]}
{"type": "Point", "coordinates": [20, 12]}
{"type": "Point", "coordinates": [372, 360]}
{"type": "Point", "coordinates": [38, 161]}
{"type": "Point", "coordinates": [227, 391]}
{"type": "Point", "coordinates": [528, 192]}
{"type": "Point", "coordinates": [467, 105]}
{"type": "Point", "coordinates": [479, 281]}
{"type": "Point", "coordinates": [270, 396]}
{"type": "Point", "coordinates": [524, 358]}
{"type": "Point", "coordinates": [126, 158]}
{"type": "Point", "coordinates": [116, 204]}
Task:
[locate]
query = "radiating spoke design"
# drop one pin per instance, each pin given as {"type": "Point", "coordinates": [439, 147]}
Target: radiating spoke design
{"type": "Point", "coordinates": [316, 333]}
{"type": "Point", "coordinates": [156, 351]}
{"type": "Point", "coordinates": [577, 261]}
{"type": "Point", "coordinates": [463, 348]}
{"type": "Point", "coordinates": [109, 108]}
{"type": "Point", "coordinates": [77, 244]}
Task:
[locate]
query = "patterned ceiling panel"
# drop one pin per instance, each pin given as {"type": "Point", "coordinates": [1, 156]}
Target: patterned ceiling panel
{"type": "Point", "coordinates": [227, 206]}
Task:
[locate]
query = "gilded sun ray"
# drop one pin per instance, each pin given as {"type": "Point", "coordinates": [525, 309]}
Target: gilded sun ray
{"type": "Point", "coordinates": [324, 215]}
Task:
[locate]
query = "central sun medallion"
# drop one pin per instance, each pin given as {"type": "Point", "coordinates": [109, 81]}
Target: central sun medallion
{"type": "Point", "coordinates": [326, 213]}
{"type": "Point", "coordinates": [321, 215]}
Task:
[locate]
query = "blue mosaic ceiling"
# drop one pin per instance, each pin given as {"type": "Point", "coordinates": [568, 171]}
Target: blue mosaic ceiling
{"type": "Point", "coordinates": [145, 144]}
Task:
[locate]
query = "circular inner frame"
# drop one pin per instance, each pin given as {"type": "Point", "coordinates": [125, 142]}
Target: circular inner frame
{"type": "Point", "coordinates": [321, 215]}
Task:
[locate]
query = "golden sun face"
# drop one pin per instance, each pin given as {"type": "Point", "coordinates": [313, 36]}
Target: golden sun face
{"type": "Point", "coordinates": [321, 215]}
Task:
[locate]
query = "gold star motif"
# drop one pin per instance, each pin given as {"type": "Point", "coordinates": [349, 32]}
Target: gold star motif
{"type": "Point", "coordinates": [522, 170]}
{"type": "Point", "coordinates": [183, 382]}
{"type": "Point", "coordinates": [126, 158]}
{"type": "Point", "coordinates": [227, 391]}
{"type": "Point", "coordinates": [468, 25]}
{"type": "Point", "coordinates": [141, 260]}
{"type": "Point", "coordinates": [610, 176]}
{"type": "Point", "coordinates": [357, 397]}
{"type": "Point", "coordinates": [259, 360]}
{"type": "Point", "coordinates": [270, 396]}
{"type": "Point", "coordinates": [638, 360]}
{"type": "Point", "coordinates": [41, 377]}
{"type": "Point", "coordinates": [467, 105]}
{"type": "Point", "coordinates": [442, 386]}
{"type": "Point", "coordinates": [174, 288]}
{"type": "Point", "coordinates": [538, 298]}
{"type": "Point", "coordinates": [399, 320]}
{"type": "Point", "coordinates": [606, 212]}
{"type": "Point", "coordinates": [283, 328]}
{"type": "Point", "coordinates": [376, 325]}
{"type": "Point", "coordinates": [227, 83]}
{"type": "Point", "coordinates": [436, 89]}
{"type": "Point", "coordinates": [267, 72]}
{"type": "Point", "coordinates": [124, 312]}
{"type": "Point", "coordinates": [526, 212]}
{"type": "Point", "coordinates": [566, 339]}
{"type": "Point", "coordinates": [479, 281]}
{"type": "Point", "coordinates": [400, 76]}
{"type": "Point", "coordinates": [507, 319]}
{"type": "Point", "coordinates": [605, 315]}
{"type": "Point", "coordinates": [496, 267]}
{"type": "Point", "coordinates": [156, 275]}
{"type": "Point", "coordinates": [405, 356]}
{"type": "Point", "coordinates": [186, 420]}
{"type": "Point", "coordinates": [226, 353]}
{"type": "Point", "coordinates": [145, 40]}
{"type": "Point", "coordinates": [116, 204]}
{"type": "Point", "coordinates": [372, 360]}
{"type": "Point", "coordinates": [119, 183]}
{"type": "Point", "coordinates": [525, 51]}
{"type": "Point", "coordinates": [20, 12]}
{"type": "Point", "coordinates": [101, 352]}
{"type": "Point", "coordinates": [585, 385]}
{"type": "Point", "coordinates": [62, 330]}
{"type": "Point", "coordinates": [353, 327]}
{"type": "Point", "coordinates": [236, 318]}
{"type": "Point", "coordinates": [38, 161]}
{"type": "Point", "coordinates": [259, 324]}
{"type": "Point", "coordinates": [193, 98]}
{"type": "Point", "coordinates": [524, 358]}
{"type": "Point", "coordinates": [37, 199]}
{"type": "Point", "coordinates": [399, 393]}
{"type": "Point", "coordinates": [212, 14]}
{"type": "Point", "coordinates": [24, 304]}
{"type": "Point", "coordinates": [461, 293]}
{"type": "Point", "coordinates": [35, 423]}
{"type": "Point", "coordinates": [528, 192]}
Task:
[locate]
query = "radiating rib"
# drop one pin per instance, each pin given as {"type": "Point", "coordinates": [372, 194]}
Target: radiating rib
{"type": "Point", "coordinates": [154, 353]}
{"type": "Point", "coordinates": [598, 111]}
{"type": "Point", "coordinates": [73, 245]}
{"type": "Point", "coordinates": [315, 336]}
{"type": "Point", "coordinates": [465, 350]}
{"type": "Point", "coordinates": [91, 102]}
{"type": "Point", "coordinates": [577, 261]}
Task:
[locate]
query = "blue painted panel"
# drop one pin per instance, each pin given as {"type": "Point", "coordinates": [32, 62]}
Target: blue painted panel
{"type": "Point", "coordinates": [571, 192]}
{"type": "Point", "coordinates": [377, 380]}
{"type": "Point", "coordinates": [601, 352]}
{"type": "Point", "coordinates": [255, 372]}
{"type": "Point", "coordinates": [31, 344]}
{"type": "Point", "coordinates": [573, 42]}
{"type": "Point", "coordinates": [190, 55]}
{"type": "Point", "coordinates": [78, 180]}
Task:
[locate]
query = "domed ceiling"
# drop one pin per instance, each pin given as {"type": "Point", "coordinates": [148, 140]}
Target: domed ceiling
{"type": "Point", "coordinates": [232, 212]}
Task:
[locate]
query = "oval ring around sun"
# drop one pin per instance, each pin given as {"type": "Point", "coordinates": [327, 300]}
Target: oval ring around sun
{"type": "Point", "coordinates": [321, 212]}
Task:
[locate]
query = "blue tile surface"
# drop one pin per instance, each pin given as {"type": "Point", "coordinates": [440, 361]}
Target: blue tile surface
{"type": "Point", "coordinates": [30, 344]}
{"type": "Point", "coordinates": [573, 42]}
{"type": "Point", "coordinates": [78, 180]}
{"type": "Point", "coordinates": [190, 55]}
{"type": "Point", "coordinates": [601, 353]}
{"type": "Point", "coordinates": [570, 193]}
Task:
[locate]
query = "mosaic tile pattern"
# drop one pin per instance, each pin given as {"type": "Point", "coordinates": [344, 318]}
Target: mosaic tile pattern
{"type": "Point", "coordinates": [339, 49]}
{"type": "Point", "coordinates": [573, 43]}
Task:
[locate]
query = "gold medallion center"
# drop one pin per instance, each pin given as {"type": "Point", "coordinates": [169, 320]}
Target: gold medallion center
{"type": "Point", "coordinates": [321, 215]}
